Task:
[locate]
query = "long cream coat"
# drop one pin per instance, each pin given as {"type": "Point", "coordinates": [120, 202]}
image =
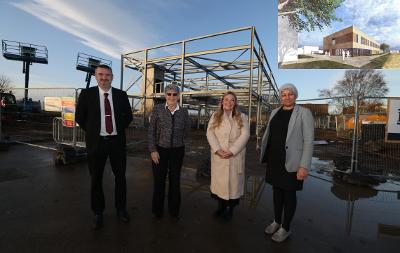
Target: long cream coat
{"type": "Point", "coordinates": [227, 175]}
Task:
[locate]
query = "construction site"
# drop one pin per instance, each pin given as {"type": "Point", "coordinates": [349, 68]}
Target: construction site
{"type": "Point", "coordinates": [203, 74]}
{"type": "Point", "coordinates": [46, 183]}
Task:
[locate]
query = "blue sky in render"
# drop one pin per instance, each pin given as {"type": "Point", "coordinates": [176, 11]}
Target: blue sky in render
{"type": "Point", "coordinates": [108, 28]}
{"type": "Point", "coordinates": [377, 18]}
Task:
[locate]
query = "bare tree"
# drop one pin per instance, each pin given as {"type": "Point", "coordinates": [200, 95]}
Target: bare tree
{"type": "Point", "coordinates": [309, 15]}
{"type": "Point", "coordinates": [357, 84]}
{"type": "Point", "coordinates": [385, 47]}
{"type": "Point", "coordinates": [5, 84]}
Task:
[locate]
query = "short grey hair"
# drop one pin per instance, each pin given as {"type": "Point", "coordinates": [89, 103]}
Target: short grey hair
{"type": "Point", "coordinates": [172, 87]}
{"type": "Point", "coordinates": [289, 86]}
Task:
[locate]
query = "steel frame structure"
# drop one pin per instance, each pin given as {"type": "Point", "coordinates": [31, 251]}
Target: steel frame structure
{"type": "Point", "coordinates": [203, 75]}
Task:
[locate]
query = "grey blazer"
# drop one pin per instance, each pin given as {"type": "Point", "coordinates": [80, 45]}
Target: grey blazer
{"type": "Point", "coordinates": [299, 139]}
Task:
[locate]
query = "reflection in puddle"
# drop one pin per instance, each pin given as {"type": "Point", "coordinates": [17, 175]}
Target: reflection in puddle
{"type": "Point", "coordinates": [254, 187]}
{"type": "Point", "coordinates": [388, 230]}
{"type": "Point", "coordinates": [384, 196]}
{"type": "Point", "coordinates": [360, 201]}
{"type": "Point", "coordinates": [351, 194]}
{"type": "Point", "coordinates": [360, 212]}
{"type": "Point", "coordinates": [323, 169]}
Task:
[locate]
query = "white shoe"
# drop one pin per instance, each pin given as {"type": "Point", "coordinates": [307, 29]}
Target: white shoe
{"type": "Point", "coordinates": [280, 235]}
{"type": "Point", "coordinates": [272, 228]}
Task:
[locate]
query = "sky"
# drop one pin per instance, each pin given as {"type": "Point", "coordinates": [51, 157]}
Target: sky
{"type": "Point", "coordinates": [379, 19]}
{"type": "Point", "coordinates": [108, 28]}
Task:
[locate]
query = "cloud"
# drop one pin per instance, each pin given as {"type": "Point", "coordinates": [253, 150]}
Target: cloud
{"type": "Point", "coordinates": [98, 24]}
{"type": "Point", "coordinates": [377, 18]}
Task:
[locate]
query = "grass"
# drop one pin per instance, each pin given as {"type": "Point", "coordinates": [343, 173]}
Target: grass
{"type": "Point", "coordinates": [303, 56]}
{"type": "Point", "coordinates": [393, 62]}
{"type": "Point", "coordinates": [317, 65]}
{"type": "Point", "coordinates": [377, 63]}
{"type": "Point", "coordinates": [387, 61]}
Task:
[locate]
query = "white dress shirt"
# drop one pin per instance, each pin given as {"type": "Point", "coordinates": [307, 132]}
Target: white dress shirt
{"type": "Point", "coordinates": [103, 131]}
{"type": "Point", "coordinates": [176, 108]}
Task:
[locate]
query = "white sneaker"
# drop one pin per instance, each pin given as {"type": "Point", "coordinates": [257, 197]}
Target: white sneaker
{"type": "Point", "coordinates": [272, 228]}
{"type": "Point", "coordinates": [280, 235]}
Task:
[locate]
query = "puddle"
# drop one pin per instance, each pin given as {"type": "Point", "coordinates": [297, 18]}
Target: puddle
{"type": "Point", "coordinates": [340, 210]}
{"type": "Point", "coordinates": [323, 170]}
{"type": "Point", "coordinates": [335, 208]}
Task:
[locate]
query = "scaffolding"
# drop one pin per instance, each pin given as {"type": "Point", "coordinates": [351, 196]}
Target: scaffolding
{"type": "Point", "coordinates": [204, 72]}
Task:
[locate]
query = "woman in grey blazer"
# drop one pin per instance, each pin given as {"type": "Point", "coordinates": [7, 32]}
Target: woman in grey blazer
{"type": "Point", "coordinates": [287, 148]}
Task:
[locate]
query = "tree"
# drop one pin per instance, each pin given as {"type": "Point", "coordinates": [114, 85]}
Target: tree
{"type": "Point", "coordinates": [384, 47]}
{"type": "Point", "coordinates": [307, 15]}
{"type": "Point", "coordinates": [5, 84]}
{"type": "Point", "coordinates": [362, 84]}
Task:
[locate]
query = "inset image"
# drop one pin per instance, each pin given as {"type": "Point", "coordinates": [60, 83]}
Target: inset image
{"type": "Point", "coordinates": [338, 34]}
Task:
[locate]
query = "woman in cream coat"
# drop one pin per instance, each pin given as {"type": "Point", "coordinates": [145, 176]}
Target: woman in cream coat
{"type": "Point", "coordinates": [227, 133]}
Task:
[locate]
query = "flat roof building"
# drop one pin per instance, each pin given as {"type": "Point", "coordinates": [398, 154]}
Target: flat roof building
{"type": "Point", "coordinates": [353, 40]}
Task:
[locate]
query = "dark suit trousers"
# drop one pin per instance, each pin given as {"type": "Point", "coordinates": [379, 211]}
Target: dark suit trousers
{"type": "Point", "coordinates": [170, 163]}
{"type": "Point", "coordinates": [116, 151]}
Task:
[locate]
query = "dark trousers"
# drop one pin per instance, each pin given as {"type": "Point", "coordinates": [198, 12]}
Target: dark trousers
{"type": "Point", "coordinates": [284, 201]}
{"type": "Point", "coordinates": [116, 151]}
{"type": "Point", "coordinates": [170, 163]}
{"type": "Point", "coordinates": [223, 203]}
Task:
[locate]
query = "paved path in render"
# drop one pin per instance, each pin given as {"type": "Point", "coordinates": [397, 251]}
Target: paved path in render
{"type": "Point", "coordinates": [357, 61]}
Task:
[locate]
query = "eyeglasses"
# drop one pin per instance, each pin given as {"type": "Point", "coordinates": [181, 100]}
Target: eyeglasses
{"type": "Point", "coordinates": [172, 94]}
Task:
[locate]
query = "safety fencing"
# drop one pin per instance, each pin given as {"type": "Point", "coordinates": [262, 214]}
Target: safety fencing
{"type": "Point", "coordinates": [352, 132]}
{"type": "Point", "coordinates": [28, 120]}
{"type": "Point", "coordinates": [47, 116]}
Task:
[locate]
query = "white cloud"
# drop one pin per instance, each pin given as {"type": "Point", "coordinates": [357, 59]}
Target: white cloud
{"type": "Point", "coordinates": [98, 24]}
{"type": "Point", "coordinates": [377, 18]}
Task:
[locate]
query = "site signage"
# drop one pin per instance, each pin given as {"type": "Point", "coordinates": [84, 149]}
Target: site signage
{"type": "Point", "coordinates": [393, 122]}
{"type": "Point", "coordinates": [65, 105]}
{"type": "Point", "coordinates": [52, 104]}
{"type": "Point", "coordinates": [68, 111]}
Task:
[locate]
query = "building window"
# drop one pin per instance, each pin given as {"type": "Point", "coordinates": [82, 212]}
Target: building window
{"type": "Point", "coordinates": [333, 41]}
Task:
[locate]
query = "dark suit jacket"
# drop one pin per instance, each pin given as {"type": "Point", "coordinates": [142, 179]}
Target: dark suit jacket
{"type": "Point", "coordinates": [88, 116]}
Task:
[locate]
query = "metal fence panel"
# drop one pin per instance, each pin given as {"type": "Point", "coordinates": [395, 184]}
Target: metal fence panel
{"type": "Point", "coordinates": [351, 143]}
{"type": "Point", "coordinates": [26, 119]}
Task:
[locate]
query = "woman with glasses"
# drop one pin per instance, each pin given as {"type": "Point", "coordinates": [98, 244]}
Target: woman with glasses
{"type": "Point", "coordinates": [169, 124]}
{"type": "Point", "coordinates": [227, 133]}
{"type": "Point", "coordinates": [287, 148]}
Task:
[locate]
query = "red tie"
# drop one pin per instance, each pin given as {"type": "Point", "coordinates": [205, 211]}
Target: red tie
{"type": "Point", "coordinates": [107, 109]}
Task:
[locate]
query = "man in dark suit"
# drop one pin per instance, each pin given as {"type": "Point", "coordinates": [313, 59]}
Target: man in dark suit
{"type": "Point", "coordinates": [103, 113]}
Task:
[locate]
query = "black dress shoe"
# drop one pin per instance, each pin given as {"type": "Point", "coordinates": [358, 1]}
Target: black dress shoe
{"type": "Point", "coordinates": [157, 216]}
{"type": "Point", "coordinates": [227, 215]}
{"type": "Point", "coordinates": [123, 216]}
{"type": "Point", "coordinates": [175, 218]}
{"type": "Point", "coordinates": [219, 212]}
{"type": "Point", "coordinates": [97, 221]}
{"type": "Point", "coordinates": [221, 208]}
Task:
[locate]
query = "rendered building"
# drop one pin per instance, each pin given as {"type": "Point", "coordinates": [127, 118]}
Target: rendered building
{"type": "Point", "coordinates": [353, 40]}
